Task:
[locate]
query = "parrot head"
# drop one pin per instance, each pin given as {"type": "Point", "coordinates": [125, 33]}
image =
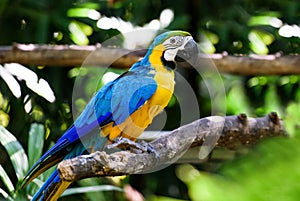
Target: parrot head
{"type": "Point", "coordinates": [175, 46]}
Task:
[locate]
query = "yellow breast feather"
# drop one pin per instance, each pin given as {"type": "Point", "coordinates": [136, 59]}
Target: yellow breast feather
{"type": "Point", "coordinates": [136, 123]}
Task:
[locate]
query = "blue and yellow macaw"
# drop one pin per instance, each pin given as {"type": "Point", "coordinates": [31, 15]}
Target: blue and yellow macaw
{"type": "Point", "coordinates": [121, 108]}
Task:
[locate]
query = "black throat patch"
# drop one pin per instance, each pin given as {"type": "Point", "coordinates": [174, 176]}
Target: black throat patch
{"type": "Point", "coordinates": [169, 64]}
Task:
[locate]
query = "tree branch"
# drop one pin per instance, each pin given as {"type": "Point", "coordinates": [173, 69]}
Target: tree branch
{"type": "Point", "coordinates": [230, 132]}
{"type": "Point", "coordinates": [73, 55]}
{"type": "Point", "coordinates": [66, 55]}
{"type": "Point", "coordinates": [253, 65]}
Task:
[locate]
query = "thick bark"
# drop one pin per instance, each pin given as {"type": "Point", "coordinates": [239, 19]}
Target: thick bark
{"type": "Point", "coordinates": [230, 132]}
{"type": "Point", "coordinates": [64, 55]}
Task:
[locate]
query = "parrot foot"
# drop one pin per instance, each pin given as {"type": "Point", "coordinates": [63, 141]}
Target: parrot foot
{"type": "Point", "coordinates": [140, 147]}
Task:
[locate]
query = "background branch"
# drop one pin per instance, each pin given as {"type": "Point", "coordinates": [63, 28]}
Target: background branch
{"type": "Point", "coordinates": [230, 132]}
{"type": "Point", "coordinates": [73, 55]}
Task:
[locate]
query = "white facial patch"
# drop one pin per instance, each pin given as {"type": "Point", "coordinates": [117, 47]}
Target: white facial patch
{"type": "Point", "coordinates": [172, 46]}
{"type": "Point", "coordinates": [170, 54]}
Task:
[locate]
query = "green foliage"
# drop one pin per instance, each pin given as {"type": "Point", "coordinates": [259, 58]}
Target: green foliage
{"type": "Point", "coordinates": [91, 189]}
{"type": "Point", "coordinates": [20, 163]}
{"type": "Point", "coordinates": [36, 142]}
{"type": "Point", "coordinates": [237, 27]}
{"type": "Point", "coordinates": [15, 151]}
{"type": "Point", "coordinates": [269, 172]}
{"type": "Point", "coordinates": [18, 158]}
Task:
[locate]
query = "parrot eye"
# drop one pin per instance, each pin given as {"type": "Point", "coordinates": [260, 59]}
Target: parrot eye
{"type": "Point", "coordinates": [172, 40]}
{"type": "Point", "coordinates": [175, 41]}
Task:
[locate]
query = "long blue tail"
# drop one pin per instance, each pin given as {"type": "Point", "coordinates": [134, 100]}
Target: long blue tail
{"type": "Point", "coordinates": [62, 150]}
{"type": "Point", "coordinates": [51, 189]}
{"type": "Point", "coordinates": [54, 186]}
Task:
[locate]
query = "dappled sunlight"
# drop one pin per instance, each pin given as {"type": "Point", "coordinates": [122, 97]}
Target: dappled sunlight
{"type": "Point", "coordinates": [166, 17]}
{"type": "Point", "coordinates": [260, 39]}
{"type": "Point", "coordinates": [132, 41]}
{"type": "Point", "coordinates": [289, 31]}
{"type": "Point", "coordinates": [39, 86]}
{"type": "Point", "coordinates": [12, 84]}
{"type": "Point", "coordinates": [108, 77]}
{"type": "Point", "coordinates": [265, 20]}
{"type": "Point", "coordinates": [84, 12]}
{"type": "Point", "coordinates": [80, 32]}
{"type": "Point", "coordinates": [244, 40]}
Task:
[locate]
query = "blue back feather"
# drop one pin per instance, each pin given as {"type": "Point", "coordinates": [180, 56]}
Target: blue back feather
{"type": "Point", "coordinates": [114, 102]}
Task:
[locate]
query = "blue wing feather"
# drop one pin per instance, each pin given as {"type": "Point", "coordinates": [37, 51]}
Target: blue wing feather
{"type": "Point", "coordinates": [114, 102]}
{"type": "Point", "coordinates": [125, 100]}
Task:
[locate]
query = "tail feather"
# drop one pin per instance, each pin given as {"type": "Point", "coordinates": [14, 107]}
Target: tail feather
{"type": "Point", "coordinates": [51, 189]}
{"type": "Point", "coordinates": [54, 186]}
{"type": "Point", "coordinates": [50, 158]}
{"type": "Point", "coordinates": [65, 148]}
{"type": "Point", "coordinates": [62, 150]}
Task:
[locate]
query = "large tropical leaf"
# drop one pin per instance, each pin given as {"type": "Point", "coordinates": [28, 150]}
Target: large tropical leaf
{"type": "Point", "coordinates": [35, 142]}
{"type": "Point", "coordinates": [5, 195]}
{"type": "Point", "coordinates": [6, 180]}
{"type": "Point", "coordinates": [15, 151]}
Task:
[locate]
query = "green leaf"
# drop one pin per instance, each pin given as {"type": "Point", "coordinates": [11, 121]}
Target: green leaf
{"type": "Point", "coordinates": [268, 172]}
{"type": "Point", "coordinates": [35, 142]}
{"type": "Point", "coordinates": [34, 186]}
{"type": "Point", "coordinates": [237, 101]}
{"type": "Point", "coordinates": [5, 195]}
{"type": "Point", "coordinates": [6, 180]}
{"type": "Point", "coordinates": [15, 151]}
{"type": "Point", "coordinates": [89, 189]}
{"type": "Point", "coordinates": [291, 119]}
{"type": "Point", "coordinates": [163, 198]}
{"type": "Point", "coordinates": [272, 100]}
{"type": "Point", "coordinates": [79, 32]}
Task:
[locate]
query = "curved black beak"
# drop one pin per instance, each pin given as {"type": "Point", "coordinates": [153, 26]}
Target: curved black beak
{"type": "Point", "coordinates": [189, 54]}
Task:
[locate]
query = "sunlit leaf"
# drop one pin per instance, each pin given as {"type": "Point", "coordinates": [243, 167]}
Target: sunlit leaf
{"type": "Point", "coordinates": [237, 101]}
{"type": "Point", "coordinates": [89, 189]}
{"type": "Point", "coordinates": [6, 180]}
{"type": "Point", "coordinates": [270, 172]}
{"type": "Point", "coordinates": [266, 37]}
{"type": "Point", "coordinates": [39, 86]}
{"type": "Point", "coordinates": [15, 151]}
{"type": "Point", "coordinates": [208, 39]}
{"type": "Point", "coordinates": [212, 188]}
{"type": "Point", "coordinates": [4, 118]}
{"type": "Point", "coordinates": [187, 173]}
{"type": "Point", "coordinates": [35, 185]}
{"type": "Point", "coordinates": [84, 12]}
{"type": "Point", "coordinates": [163, 198]}
{"type": "Point", "coordinates": [265, 20]}
{"type": "Point", "coordinates": [259, 41]}
{"type": "Point", "coordinates": [35, 142]}
{"type": "Point", "coordinates": [11, 82]}
{"type": "Point", "coordinates": [79, 32]}
{"type": "Point", "coordinates": [212, 37]}
{"type": "Point", "coordinates": [92, 182]}
{"type": "Point", "coordinates": [257, 45]}
{"type": "Point", "coordinates": [207, 47]}
{"type": "Point", "coordinates": [5, 195]}
{"type": "Point", "coordinates": [37, 113]}
{"type": "Point", "coordinates": [292, 117]}
{"type": "Point", "coordinates": [272, 101]}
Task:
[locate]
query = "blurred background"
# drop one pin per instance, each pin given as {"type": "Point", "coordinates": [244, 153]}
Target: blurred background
{"type": "Point", "coordinates": [36, 101]}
